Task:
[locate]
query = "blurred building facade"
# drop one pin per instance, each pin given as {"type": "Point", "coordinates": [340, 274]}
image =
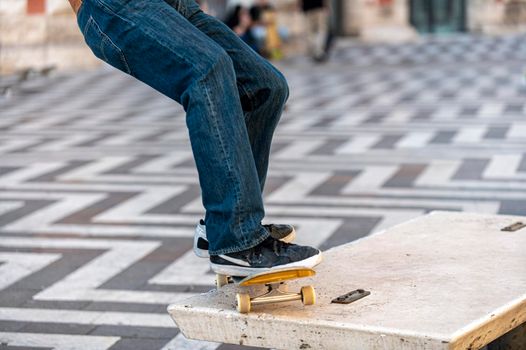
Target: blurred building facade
{"type": "Point", "coordinates": [42, 33]}
{"type": "Point", "coordinates": [401, 19]}
{"type": "Point", "coordinates": [393, 20]}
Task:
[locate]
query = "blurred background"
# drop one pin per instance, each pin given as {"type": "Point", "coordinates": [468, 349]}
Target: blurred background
{"type": "Point", "coordinates": [43, 33]}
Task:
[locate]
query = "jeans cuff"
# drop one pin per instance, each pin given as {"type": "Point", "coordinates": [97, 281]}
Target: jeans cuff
{"type": "Point", "coordinates": [262, 235]}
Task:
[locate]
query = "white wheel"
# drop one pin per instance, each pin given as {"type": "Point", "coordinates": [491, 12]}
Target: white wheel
{"type": "Point", "coordinates": [243, 303]}
{"type": "Point", "coordinates": [308, 295]}
{"type": "Point", "coordinates": [221, 280]}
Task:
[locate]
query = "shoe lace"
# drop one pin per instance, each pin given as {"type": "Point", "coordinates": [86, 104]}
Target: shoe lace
{"type": "Point", "coordinates": [276, 245]}
{"type": "Point", "coordinates": [256, 253]}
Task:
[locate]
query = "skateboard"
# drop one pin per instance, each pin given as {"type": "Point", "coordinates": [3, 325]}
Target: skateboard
{"type": "Point", "coordinates": [276, 287]}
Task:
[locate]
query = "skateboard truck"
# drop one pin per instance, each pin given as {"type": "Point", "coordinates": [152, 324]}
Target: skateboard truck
{"type": "Point", "coordinates": [275, 283]}
{"type": "Point", "coordinates": [307, 295]}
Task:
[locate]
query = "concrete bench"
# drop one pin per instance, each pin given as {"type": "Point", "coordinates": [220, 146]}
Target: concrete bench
{"type": "Point", "coordinates": [441, 281]}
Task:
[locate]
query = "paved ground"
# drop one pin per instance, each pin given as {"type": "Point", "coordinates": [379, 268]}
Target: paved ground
{"type": "Point", "coordinates": [99, 194]}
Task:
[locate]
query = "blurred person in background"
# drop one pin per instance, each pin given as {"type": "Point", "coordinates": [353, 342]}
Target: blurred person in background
{"type": "Point", "coordinates": [266, 29]}
{"type": "Point", "coordinates": [240, 21]}
{"type": "Point", "coordinates": [273, 43]}
{"type": "Point", "coordinates": [318, 33]}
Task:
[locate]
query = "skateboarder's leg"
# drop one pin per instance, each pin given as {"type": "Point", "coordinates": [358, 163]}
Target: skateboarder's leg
{"type": "Point", "coordinates": [157, 45]}
{"type": "Point", "coordinates": [262, 88]}
{"type": "Point", "coordinates": [263, 91]}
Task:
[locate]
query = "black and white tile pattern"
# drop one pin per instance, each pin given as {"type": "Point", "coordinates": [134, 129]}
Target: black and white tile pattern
{"type": "Point", "coordinates": [99, 194]}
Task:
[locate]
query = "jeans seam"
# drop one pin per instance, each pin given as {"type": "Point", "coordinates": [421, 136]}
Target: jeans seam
{"type": "Point", "coordinates": [91, 21]}
{"type": "Point", "coordinates": [107, 8]}
{"type": "Point", "coordinates": [225, 158]}
{"type": "Point", "coordinates": [86, 25]}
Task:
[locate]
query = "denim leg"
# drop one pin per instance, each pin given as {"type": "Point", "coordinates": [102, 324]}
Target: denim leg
{"type": "Point", "coordinates": [155, 43]}
{"type": "Point", "coordinates": [263, 89]}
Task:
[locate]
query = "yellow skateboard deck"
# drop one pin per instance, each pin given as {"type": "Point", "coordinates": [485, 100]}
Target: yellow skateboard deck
{"type": "Point", "coordinates": [277, 276]}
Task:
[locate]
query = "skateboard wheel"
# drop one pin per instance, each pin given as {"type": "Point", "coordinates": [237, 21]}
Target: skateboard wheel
{"type": "Point", "coordinates": [243, 303]}
{"type": "Point", "coordinates": [221, 280]}
{"type": "Point", "coordinates": [308, 295]}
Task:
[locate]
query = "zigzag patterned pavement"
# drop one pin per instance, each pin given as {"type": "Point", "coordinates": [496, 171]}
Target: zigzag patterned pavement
{"type": "Point", "coordinates": [99, 194]}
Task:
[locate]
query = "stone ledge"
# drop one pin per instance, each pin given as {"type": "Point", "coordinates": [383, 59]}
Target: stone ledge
{"type": "Point", "coordinates": [441, 281]}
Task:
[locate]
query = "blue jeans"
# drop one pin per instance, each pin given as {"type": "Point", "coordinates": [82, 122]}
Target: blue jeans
{"type": "Point", "coordinates": [232, 97]}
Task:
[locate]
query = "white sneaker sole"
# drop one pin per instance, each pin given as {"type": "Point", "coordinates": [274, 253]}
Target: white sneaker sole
{"type": "Point", "coordinates": [241, 271]}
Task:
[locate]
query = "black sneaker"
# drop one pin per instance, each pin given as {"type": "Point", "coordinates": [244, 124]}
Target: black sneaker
{"type": "Point", "coordinates": [268, 255]}
{"type": "Point", "coordinates": [285, 233]}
